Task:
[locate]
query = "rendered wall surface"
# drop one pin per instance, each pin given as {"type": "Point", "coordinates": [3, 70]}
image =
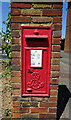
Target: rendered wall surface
{"type": "Point", "coordinates": [35, 14]}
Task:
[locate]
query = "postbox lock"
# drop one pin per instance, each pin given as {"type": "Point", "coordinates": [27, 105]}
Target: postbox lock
{"type": "Point", "coordinates": [36, 32]}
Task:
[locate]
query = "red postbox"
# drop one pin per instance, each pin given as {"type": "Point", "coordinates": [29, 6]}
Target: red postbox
{"type": "Point", "coordinates": [36, 49]}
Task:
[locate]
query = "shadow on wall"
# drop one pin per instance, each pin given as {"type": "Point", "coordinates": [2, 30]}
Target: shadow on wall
{"type": "Point", "coordinates": [63, 97]}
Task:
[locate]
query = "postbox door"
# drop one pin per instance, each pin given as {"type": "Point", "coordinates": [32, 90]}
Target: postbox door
{"type": "Point", "coordinates": [36, 71]}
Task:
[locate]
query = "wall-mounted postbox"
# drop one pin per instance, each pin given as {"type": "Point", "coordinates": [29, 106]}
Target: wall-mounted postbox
{"type": "Point", "coordinates": [36, 49]}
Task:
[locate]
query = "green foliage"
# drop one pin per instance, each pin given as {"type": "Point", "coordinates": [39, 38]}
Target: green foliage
{"type": "Point", "coordinates": [6, 46]}
{"type": "Point", "coordinates": [7, 113]}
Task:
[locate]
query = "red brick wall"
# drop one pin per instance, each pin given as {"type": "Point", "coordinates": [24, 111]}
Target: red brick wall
{"type": "Point", "coordinates": [35, 14]}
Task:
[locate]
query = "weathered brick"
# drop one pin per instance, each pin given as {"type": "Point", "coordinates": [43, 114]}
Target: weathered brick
{"type": "Point", "coordinates": [16, 115]}
{"type": "Point", "coordinates": [15, 34]}
{"type": "Point", "coordinates": [54, 87]}
{"type": "Point", "coordinates": [16, 79]}
{"type": "Point", "coordinates": [57, 19]}
{"type": "Point", "coordinates": [39, 99]}
{"type": "Point", "coordinates": [52, 110]}
{"type": "Point", "coordinates": [16, 86]}
{"type": "Point", "coordinates": [15, 26]}
{"type": "Point", "coordinates": [16, 61]}
{"type": "Point", "coordinates": [54, 81]}
{"type": "Point", "coordinates": [55, 55]}
{"type": "Point", "coordinates": [31, 12]}
{"type": "Point", "coordinates": [20, 5]}
{"type": "Point", "coordinates": [55, 61]}
{"type": "Point", "coordinates": [42, 5]}
{"type": "Point", "coordinates": [57, 34]}
{"type": "Point", "coordinates": [15, 67]}
{"type": "Point", "coordinates": [30, 104]}
{"type": "Point", "coordinates": [30, 115]}
{"type": "Point", "coordinates": [21, 19]}
{"type": "Point", "coordinates": [57, 26]}
{"type": "Point", "coordinates": [43, 104]}
{"type": "Point", "coordinates": [55, 74]}
{"type": "Point", "coordinates": [16, 40]}
{"type": "Point", "coordinates": [16, 47]}
{"type": "Point", "coordinates": [56, 40]}
{"type": "Point", "coordinates": [41, 19]}
{"type": "Point", "coordinates": [55, 67]}
{"type": "Point", "coordinates": [15, 109]}
{"type": "Point", "coordinates": [16, 98]}
{"type": "Point", "coordinates": [16, 73]}
{"type": "Point", "coordinates": [16, 104]}
{"type": "Point", "coordinates": [16, 92]}
{"type": "Point", "coordinates": [53, 92]}
{"type": "Point", "coordinates": [53, 99]}
{"type": "Point", "coordinates": [15, 11]}
{"type": "Point", "coordinates": [52, 12]}
{"type": "Point", "coordinates": [57, 6]}
{"type": "Point", "coordinates": [56, 48]}
{"type": "Point", "coordinates": [47, 116]}
{"type": "Point", "coordinates": [16, 54]}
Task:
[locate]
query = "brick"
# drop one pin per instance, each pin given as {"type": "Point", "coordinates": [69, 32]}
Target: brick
{"type": "Point", "coordinates": [31, 12]}
{"type": "Point", "coordinates": [53, 87]}
{"type": "Point", "coordinates": [53, 92]}
{"type": "Point", "coordinates": [21, 19]}
{"type": "Point", "coordinates": [15, 109]}
{"type": "Point", "coordinates": [16, 54]}
{"type": "Point", "coordinates": [20, 5]}
{"type": "Point", "coordinates": [41, 19]}
{"type": "Point", "coordinates": [39, 99]}
{"type": "Point", "coordinates": [57, 34]}
{"type": "Point", "coordinates": [53, 99]}
{"type": "Point", "coordinates": [15, 34]}
{"type": "Point", "coordinates": [46, 105]}
{"type": "Point", "coordinates": [47, 116]}
{"type": "Point", "coordinates": [56, 41]}
{"type": "Point", "coordinates": [55, 61]}
{"type": "Point", "coordinates": [30, 104]}
{"type": "Point", "coordinates": [56, 48]}
{"type": "Point", "coordinates": [57, 26]}
{"type": "Point", "coordinates": [15, 11]}
{"type": "Point", "coordinates": [39, 110]}
{"type": "Point", "coordinates": [16, 98]}
{"type": "Point", "coordinates": [52, 110]}
{"type": "Point", "coordinates": [24, 110]}
{"type": "Point", "coordinates": [16, 79]}
{"type": "Point", "coordinates": [57, 6]}
{"type": "Point", "coordinates": [55, 67]}
{"type": "Point", "coordinates": [57, 19]}
{"type": "Point", "coordinates": [30, 115]}
{"type": "Point", "coordinates": [55, 74]}
{"type": "Point", "coordinates": [16, 73]}
{"type": "Point", "coordinates": [34, 110]}
{"type": "Point", "coordinates": [16, 104]}
{"type": "Point", "coordinates": [15, 67]}
{"type": "Point", "coordinates": [52, 12]}
{"type": "Point", "coordinates": [16, 86]}
{"type": "Point", "coordinates": [15, 61]}
{"type": "Point", "coordinates": [42, 5]}
{"type": "Point", "coordinates": [55, 54]}
{"type": "Point", "coordinates": [16, 40]}
{"type": "Point", "coordinates": [16, 92]}
{"type": "Point", "coordinates": [54, 81]}
{"type": "Point", "coordinates": [16, 47]}
{"type": "Point", "coordinates": [15, 26]}
{"type": "Point", "coordinates": [16, 115]}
